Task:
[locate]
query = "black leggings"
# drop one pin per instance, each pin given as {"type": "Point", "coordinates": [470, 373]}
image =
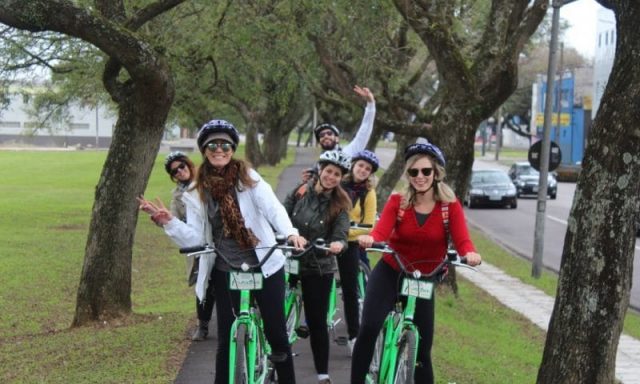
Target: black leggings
{"type": "Point", "coordinates": [205, 308]}
{"type": "Point", "coordinates": [315, 298]}
{"type": "Point", "coordinates": [381, 295]}
{"type": "Point", "coordinates": [271, 303]}
{"type": "Point", "coordinates": [348, 265]}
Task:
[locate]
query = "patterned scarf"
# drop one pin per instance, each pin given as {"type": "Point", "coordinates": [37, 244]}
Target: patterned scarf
{"type": "Point", "coordinates": [221, 184]}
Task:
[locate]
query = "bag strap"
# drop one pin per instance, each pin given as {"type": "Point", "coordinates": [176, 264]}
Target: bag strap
{"type": "Point", "coordinates": [444, 207]}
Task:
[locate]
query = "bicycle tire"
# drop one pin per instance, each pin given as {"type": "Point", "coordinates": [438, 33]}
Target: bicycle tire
{"type": "Point", "coordinates": [364, 272]}
{"type": "Point", "coordinates": [407, 354]}
{"type": "Point", "coordinates": [293, 318]}
{"type": "Point", "coordinates": [241, 374]}
{"type": "Point", "coordinates": [376, 360]}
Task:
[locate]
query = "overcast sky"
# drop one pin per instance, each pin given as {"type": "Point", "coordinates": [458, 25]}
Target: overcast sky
{"type": "Point", "coordinates": [581, 15]}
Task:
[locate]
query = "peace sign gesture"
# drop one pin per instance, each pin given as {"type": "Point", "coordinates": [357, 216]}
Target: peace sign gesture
{"type": "Point", "coordinates": [159, 213]}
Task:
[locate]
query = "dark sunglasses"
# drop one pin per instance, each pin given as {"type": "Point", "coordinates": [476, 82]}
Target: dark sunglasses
{"type": "Point", "coordinates": [326, 133]}
{"type": "Point", "coordinates": [174, 171]}
{"type": "Point", "coordinates": [413, 172]}
{"type": "Point", "coordinates": [226, 147]}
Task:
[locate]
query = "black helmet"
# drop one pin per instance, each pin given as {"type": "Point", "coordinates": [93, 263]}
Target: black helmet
{"type": "Point", "coordinates": [424, 148]}
{"type": "Point", "coordinates": [223, 128]}
{"type": "Point", "coordinates": [337, 158]}
{"type": "Point", "coordinates": [173, 156]}
{"type": "Point", "coordinates": [323, 127]}
{"type": "Point", "coordinates": [369, 157]}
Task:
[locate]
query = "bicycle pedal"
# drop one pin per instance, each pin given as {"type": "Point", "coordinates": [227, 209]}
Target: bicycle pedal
{"type": "Point", "coordinates": [342, 340]}
{"type": "Point", "coordinates": [277, 357]}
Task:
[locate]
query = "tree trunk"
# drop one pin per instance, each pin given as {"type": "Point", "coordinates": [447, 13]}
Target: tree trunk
{"type": "Point", "coordinates": [105, 284]}
{"type": "Point", "coordinates": [391, 176]}
{"type": "Point", "coordinates": [597, 261]}
{"type": "Point", "coordinates": [144, 100]}
{"type": "Point", "coordinates": [252, 150]}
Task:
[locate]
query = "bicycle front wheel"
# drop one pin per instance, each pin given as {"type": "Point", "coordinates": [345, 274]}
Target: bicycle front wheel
{"type": "Point", "coordinates": [292, 316]}
{"type": "Point", "coordinates": [241, 368]}
{"type": "Point", "coordinates": [407, 354]}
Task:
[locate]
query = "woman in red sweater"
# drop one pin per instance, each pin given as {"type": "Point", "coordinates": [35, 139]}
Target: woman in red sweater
{"type": "Point", "coordinates": [412, 225]}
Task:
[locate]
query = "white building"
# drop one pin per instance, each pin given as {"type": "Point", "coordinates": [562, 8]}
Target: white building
{"type": "Point", "coordinates": [604, 54]}
{"type": "Point", "coordinates": [85, 126]}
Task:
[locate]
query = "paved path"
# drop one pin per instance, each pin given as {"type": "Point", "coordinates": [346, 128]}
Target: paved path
{"type": "Point", "coordinates": [529, 301]}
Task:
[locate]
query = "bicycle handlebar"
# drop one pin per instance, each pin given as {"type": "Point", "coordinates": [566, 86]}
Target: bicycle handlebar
{"type": "Point", "coordinates": [452, 258]}
{"type": "Point", "coordinates": [281, 243]}
{"type": "Point", "coordinates": [355, 225]}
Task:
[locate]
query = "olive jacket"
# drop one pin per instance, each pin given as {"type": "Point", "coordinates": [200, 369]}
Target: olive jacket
{"type": "Point", "coordinates": [308, 214]}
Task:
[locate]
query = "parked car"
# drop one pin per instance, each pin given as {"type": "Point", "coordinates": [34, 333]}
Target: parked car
{"type": "Point", "coordinates": [491, 187]}
{"type": "Point", "coordinates": [525, 178]}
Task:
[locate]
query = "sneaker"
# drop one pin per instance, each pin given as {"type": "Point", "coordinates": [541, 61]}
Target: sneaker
{"type": "Point", "coordinates": [325, 381]}
{"type": "Point", "coordinates": [201, 332]}
{"type": "Point", "coordinates": [302, 331]}
{"type": "Point", "coordinates": [350, 344]}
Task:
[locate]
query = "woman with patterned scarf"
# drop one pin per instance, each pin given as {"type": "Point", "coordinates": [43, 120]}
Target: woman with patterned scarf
{"type": "Point", "coordinates": [232, 207]}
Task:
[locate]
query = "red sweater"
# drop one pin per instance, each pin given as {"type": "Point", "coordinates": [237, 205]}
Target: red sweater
{"type": "Point", "coordinates": [424, 244]}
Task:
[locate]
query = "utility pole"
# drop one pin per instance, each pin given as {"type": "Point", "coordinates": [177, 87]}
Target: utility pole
{"type": "Point", "coordinates": [556, 136]}
{"type": "Point", "coordinates": [499, 133]}
{"type": "Point", "coordinates": [538, 242]}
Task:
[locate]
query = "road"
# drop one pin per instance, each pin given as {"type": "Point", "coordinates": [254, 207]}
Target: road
{"type": "Point", "coordinates": [515, 228]}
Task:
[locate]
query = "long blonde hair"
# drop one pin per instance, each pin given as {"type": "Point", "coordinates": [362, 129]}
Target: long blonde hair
{"type": "Point", "coordinates": [441, 191]}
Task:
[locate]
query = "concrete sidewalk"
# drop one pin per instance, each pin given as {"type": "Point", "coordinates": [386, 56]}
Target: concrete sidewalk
{"type": "Point", "coordinates": [527, 300]}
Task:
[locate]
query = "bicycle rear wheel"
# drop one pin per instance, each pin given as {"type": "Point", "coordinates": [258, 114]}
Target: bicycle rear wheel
{"type": "Point", "coordinates": [407, 354]}
{"type": "Point", "coordinates": [241, 372]}
{"type": "Point", "coordinates": [363, 278]}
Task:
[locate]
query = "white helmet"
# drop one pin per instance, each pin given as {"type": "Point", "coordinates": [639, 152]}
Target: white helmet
{"type": "Point", "coordinates": [337, 158]}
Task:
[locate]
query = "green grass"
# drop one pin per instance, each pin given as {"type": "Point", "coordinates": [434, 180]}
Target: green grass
{"type": "Point", "coordinates": [44, 216]}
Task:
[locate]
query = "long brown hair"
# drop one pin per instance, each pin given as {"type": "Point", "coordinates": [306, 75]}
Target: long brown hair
{"type": "Point", "coordinates": [192, 169]}
{"type": "Point", "coordinates": [340, 201]}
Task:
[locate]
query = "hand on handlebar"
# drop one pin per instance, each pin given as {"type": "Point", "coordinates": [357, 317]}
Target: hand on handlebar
{"type": "Point", "coordinates": [336, 247]}
{"type": "Point", "coordinates": [298, 242]}
{"type": "Point", "coordinates": [365, 241]}
{"type": "Point", "coordinates": [473, 259]}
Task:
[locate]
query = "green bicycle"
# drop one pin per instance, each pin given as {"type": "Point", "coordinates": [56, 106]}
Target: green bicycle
{"type": "Point", "coordinates": [396, 349]}
{"type": "Point", "coordinates": [250, 359]}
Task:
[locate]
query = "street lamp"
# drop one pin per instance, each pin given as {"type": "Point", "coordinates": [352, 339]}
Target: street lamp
{"type": "Point", "coordinates": [538, 242]}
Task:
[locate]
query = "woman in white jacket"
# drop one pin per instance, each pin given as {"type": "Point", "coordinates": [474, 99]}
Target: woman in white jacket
{"type": "Point", "coordinates": [231, 206]}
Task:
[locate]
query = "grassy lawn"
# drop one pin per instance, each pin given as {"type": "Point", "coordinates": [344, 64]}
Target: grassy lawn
{"type": "Point", "coordinates": [44, 218]}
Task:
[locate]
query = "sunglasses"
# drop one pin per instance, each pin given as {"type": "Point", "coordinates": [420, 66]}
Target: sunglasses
{"type": "Point", "coordinates": [226, 147]}
{"type": "Point", "coordinates": [326, 133]}
{"type": "Point", "coordinates": [177, 169]}
{"type": "Point", "coordinates": [413, 172]}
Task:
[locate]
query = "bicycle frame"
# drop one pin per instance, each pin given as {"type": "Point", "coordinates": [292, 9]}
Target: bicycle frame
{"type": "Point", "coordinates": [398, 324]}
{"type": "Point", "coordinates": [247, 331]}
{"type": "Point", "coordinates": [256, 347]}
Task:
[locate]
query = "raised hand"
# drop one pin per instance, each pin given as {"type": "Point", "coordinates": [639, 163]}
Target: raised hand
{"type": "Point", "coordinates": [365, 93]}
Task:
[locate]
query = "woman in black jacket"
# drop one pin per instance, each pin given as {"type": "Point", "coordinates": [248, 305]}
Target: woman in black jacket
{"type": "Point", "coordinates": [320, 209]}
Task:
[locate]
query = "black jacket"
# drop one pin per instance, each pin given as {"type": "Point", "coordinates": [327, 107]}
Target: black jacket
{"type": "Point", "coordinates": [308, 213]}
